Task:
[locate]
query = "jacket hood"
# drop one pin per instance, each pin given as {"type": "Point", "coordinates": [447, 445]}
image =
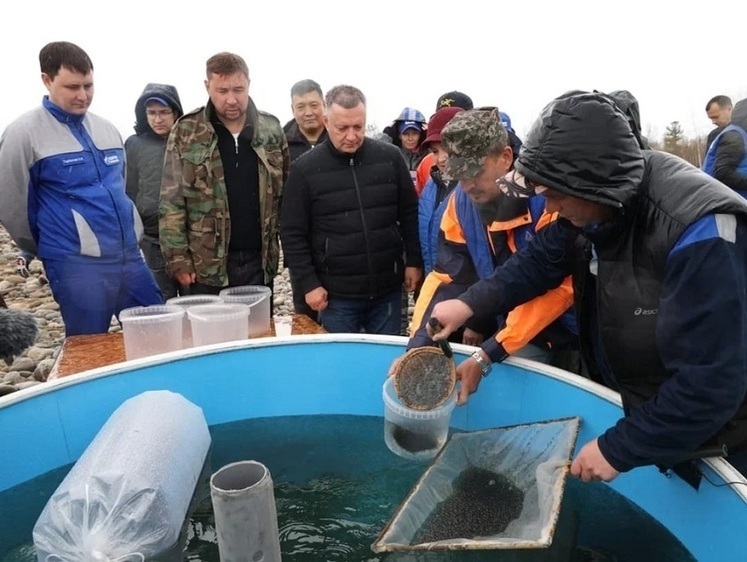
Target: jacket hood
{"type": "Point", "coordinates": [628, 104]}
{"type": "Point", "coordinates": [582, 145]}
{"type": "Point", "coordinates": [165, 91]}
{"type": "Point", "coordinates": [739, 114]}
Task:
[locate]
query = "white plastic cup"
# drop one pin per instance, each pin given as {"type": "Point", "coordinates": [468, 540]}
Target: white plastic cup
{"type": "Point", "coordinates": [414, 434]}
{"type": "Point", "coordinates": [150, 330]}
{"type": "Point", "coordinates": [259, 298]}
{"type": "Point", "coordinates": [185, 302]}
{"type": "Point", "coordinates": [218, 323]}
{"type": "Point", "coordinates": [283, 325]}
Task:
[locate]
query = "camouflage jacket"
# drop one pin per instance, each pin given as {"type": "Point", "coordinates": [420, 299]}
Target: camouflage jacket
{"type": "Point", "coordinates": [194, 223]}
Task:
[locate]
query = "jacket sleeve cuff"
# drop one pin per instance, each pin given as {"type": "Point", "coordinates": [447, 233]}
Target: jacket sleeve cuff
{"type": "Point", "coordinates": [494, 350]}
{"type": "Point", "coordinates": [612, 454]}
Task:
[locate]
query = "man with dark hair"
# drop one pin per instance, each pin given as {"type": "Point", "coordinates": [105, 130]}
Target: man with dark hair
{"type": "Point", "coordinates": [726, 159]}
{"type": "Point", "coordinates": [306, 129]}
{"type": "Point", "coordinates": [718, 110]}
{"type": "Point", "coordinates": [156, 111]}
{"type": "Point", "coordinates": [222, 183]}
{"type": "Point", "coordinates": [62, 185]}
{"type": "Point", "coordinates": [643, 233]}
{"type": "Point", "coordinates": [304, 132]}
{"type": "Point", "coordinates": [350, 223]}
{"type": "Point", "coordinates": [480, 229]}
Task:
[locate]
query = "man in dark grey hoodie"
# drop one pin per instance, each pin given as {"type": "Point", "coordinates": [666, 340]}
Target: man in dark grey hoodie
{"type": "Point", "coordinates": [156, 111]}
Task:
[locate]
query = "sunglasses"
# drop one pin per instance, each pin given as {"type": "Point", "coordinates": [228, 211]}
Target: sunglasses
{"type": "Point", "coordinates": [514, 184]}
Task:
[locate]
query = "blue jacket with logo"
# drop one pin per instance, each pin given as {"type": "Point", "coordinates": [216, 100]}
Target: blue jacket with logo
{"type": "Point", "coordinates": [62, 180]}
{"type": "Point", "coordinates": [726, 159]}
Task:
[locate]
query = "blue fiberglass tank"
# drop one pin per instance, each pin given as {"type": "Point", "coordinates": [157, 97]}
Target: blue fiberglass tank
{"type": "Point", "coordinates": [49, 426]}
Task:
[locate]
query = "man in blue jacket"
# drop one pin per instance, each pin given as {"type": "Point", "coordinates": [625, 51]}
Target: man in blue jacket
{"type": "Point", "coordinates": [62, 198]}
{"type": "Point", "coordinates": [726, 159]}
{"type": "Point", "coordinates": [645, 236]}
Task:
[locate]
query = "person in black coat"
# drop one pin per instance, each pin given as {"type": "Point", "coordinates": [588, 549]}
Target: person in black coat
{"type": "Point", "coordinates": [349, 223]}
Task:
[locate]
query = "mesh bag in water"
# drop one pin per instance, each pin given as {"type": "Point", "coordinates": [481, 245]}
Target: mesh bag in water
{"type": "Point", "coordinates": [424, 378]}
{"type": "Point", "coordinates": [492, 489]}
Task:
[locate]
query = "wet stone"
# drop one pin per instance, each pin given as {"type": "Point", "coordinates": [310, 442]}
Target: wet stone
{"type": "Point", "coordinates": [482, 504]}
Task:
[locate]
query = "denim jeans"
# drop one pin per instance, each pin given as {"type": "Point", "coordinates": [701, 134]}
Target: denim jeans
{"type": "Point", "coordinates": [382, 315]}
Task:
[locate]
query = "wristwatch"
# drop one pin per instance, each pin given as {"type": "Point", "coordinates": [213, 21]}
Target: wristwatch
{"type": "Point", "coordinates": [484, 367]}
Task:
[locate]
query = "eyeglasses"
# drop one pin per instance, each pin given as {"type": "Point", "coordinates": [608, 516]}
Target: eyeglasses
{"type": "Point", "coordinates": [162, 113]}
{"type": "Point", "coordinates": [515, 184]}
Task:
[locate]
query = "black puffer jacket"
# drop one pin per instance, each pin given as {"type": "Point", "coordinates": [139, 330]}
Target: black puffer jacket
{"type": "Point", "coordinates": [348, 220]}
{"type": "Point", "coordinates": [297, 143]}
{"type": "Point", "coordinates": [145, 151]}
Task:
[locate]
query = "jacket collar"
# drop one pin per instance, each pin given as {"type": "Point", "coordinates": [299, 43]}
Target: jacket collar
{"type": "Point", "coordinates": [60, 114]}
{"type": "Point", "coordinates": [252, 117]}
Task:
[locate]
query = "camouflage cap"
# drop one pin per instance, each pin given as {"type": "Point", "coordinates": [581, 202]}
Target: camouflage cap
{"type": "Point", "coordinates": [467, 139]}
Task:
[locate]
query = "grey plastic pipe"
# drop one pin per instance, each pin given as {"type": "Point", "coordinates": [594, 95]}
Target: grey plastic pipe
{"type": "Point", "coordinates": [246, 519]}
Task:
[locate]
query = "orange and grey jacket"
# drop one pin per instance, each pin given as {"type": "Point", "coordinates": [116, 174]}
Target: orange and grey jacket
{"type": "Point", "coordinates": [469, 251]}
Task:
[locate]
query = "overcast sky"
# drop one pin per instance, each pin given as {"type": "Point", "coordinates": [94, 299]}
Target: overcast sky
{"type": "Point", "coordinates": [518, 55]}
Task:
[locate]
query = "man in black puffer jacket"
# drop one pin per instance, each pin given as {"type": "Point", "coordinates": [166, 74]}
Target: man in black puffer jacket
{"type": "Point", "coordinates": [349, 223]}
{"type": "Point", "coordinates": [644, 234]}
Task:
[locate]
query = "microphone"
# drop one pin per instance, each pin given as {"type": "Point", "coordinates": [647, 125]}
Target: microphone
{"type": "Point", "coordinates": [18, 331]}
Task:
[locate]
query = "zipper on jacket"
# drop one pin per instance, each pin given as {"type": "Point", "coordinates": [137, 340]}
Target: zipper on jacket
{"type": "Point", "coordinates": [365, 229]}
{"type": "Point", "coordinates": [95, 153]}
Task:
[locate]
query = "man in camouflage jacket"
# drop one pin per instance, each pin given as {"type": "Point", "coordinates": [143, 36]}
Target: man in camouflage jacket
{"type": "Point", "coordinates": [205, 182]}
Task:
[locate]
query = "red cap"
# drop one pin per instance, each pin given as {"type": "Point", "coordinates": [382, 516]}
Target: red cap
{"type": "Point", "coordinates": [437, 122]}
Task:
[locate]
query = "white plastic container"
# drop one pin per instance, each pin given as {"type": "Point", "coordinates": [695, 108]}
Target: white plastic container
{"type": "Point", "coordinates": [246, 520]}
{"type": "Point", "coordinates": [283, 325]}
{"type": "Point", "coordinates": [259, 298]}
{"type": "Point", "coordinates": [218, 323]}
{"type": "Point", "coordinates": [127, 495]}
{"type": "Point", "coordinates": [414, 434]}
{"type": "Point", "coordinates": [149, 330]}
{"type": "Point", "coordinates": [185, 302]}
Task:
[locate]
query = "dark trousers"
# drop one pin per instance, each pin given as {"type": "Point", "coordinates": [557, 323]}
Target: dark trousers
{"type": "Point", "coordinates": [157, 265]}
{"type": "Point", "coordinates": [244, 268]}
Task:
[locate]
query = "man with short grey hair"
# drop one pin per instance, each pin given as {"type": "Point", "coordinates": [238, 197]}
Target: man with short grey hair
{"type": "Point", "coordinates": [304, 132]}
{"type": "Point", "coordinates": [349, 223]}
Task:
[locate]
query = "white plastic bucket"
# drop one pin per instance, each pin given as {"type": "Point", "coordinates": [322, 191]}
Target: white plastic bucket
{"type": "Point", "coordinates": [218, 323]}
{"type": "Point", "coordinates": [149, 330]}
{"type": "Point", "coordinates": [259, 298]}
{"type": "Point", "coordinates": [185, 302]}
{"type": "Point", "coordinates": [414, 434]}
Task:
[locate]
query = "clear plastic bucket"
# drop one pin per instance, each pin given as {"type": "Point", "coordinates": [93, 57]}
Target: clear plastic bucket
{"type": "Point", "coordinates": [150, 330]}
{"type": "Point", "coordinates": [259, 298]}
{"type": "Point", "coordinates": [218, 323]}
{"type": "Point", "coordinates": [414, 434]}
{"type": "Point", "coordinates": [185, 302]}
